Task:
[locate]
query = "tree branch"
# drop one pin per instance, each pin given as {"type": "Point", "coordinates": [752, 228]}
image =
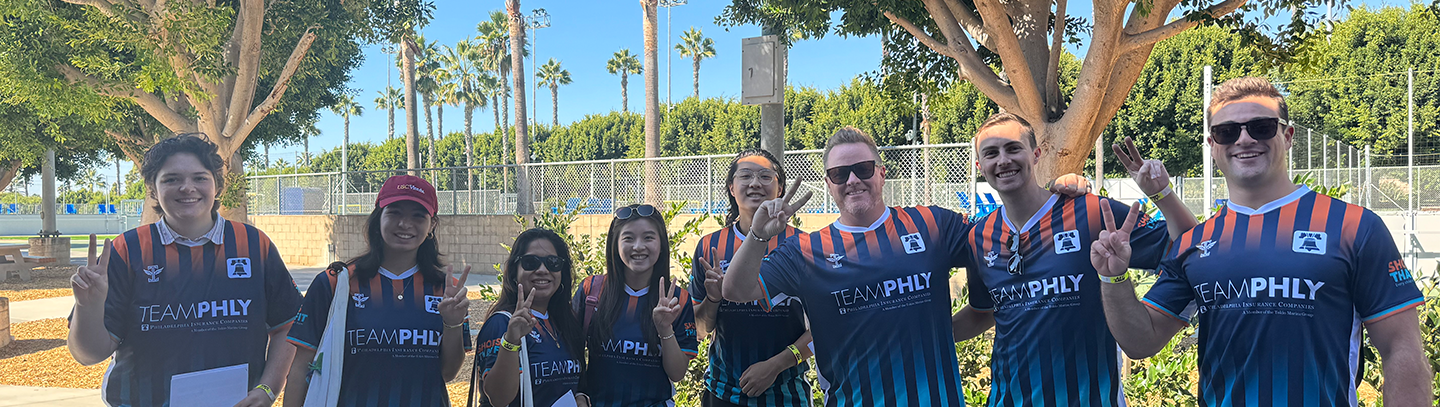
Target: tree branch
{"type": "Point", "coordinates": [281, 84]}
{"type": "Point", "coordinates": [922, 36]}
{"type": "Point", "coordinates": [970, 22]}
{"type": "Point", "coordinates": [103, 5]}
{"type": "Point", "coordinates": [971, 67]}
{"type": "Point", "coordinates": [1031, 98]}
{"type": "Point", "coordinates": [10, 169]}
{"type": "Point", "coordinates": [249, 23]}
{"type": "Point", "coordinates": [1052, 68]}
{"type": "Point", "coordinates": [1149, 37]}
{"type": "Point", "coordinates": [152, 104]}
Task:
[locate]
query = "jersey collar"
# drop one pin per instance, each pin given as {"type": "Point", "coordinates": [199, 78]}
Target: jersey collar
{"type": "Point", "coordinates": [1273, 205]}
{"type": "Point", "coordinates": [636, 293]}
{"type": "Point", "coordinates": [856, 229]}
{"type": "Point", "coordinates": [215, 235]}
{"type": "Point", "coordinates": [1035, 218]}
{"type": "Point", "coordinates": [391, 275]}
{"type": "Point", "coordinates": [735, 231]}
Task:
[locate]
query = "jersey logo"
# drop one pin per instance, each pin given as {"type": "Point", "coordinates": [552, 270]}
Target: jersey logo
{"type": "Point", "coordinates": [359, 299]}
{"type": "Point", "coordinates": [913, 243]}
{"type": "Point", "coordinates": [154, 272]}
{"type": "Point", "coordinates": [724, 266]}
{"type": "Point", "coordinates": [1309, 242]}
{"type": "Point", "coordinates": [990, 258]}
{"type": "Point", "coordinates": [1205, 247]}
{"type": "Point", "coordinates": [1067, 242]}
{"type": "Point", "coordinates": [834, 259]}
{"type": "Point", "coordinates": [432, 304]}
{"type": "Point", "coordinates": [535, 335]}
{"type": "Point", "coordinates": [238, 267]}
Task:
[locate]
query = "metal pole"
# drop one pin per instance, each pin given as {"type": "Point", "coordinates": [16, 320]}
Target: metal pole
{"type": "Point", "coordinates": [1369, 177]}
{"type": "Point", "coordinates": [1309, 149]}
{"type": "Point", "coordinates": [1410, 161]}
{"type": "Point", "coordinates": [1324, 160]}
{"type": "Point", "coordinates": [1209, 167]}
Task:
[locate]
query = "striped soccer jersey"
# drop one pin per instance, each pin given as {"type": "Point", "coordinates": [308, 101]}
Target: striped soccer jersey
{"type": "Point", "coordinates": [554, 372]}
{"type": "Point", "coordinates": [1052, 346]}
{"type": "Point", "coordinates": [1280, 294]}
{"type": "Point", "coordinates": [626, 370]}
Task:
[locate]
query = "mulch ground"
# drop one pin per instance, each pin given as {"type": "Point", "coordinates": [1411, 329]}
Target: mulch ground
{"type": "Point", "coordinates": [46, 282]}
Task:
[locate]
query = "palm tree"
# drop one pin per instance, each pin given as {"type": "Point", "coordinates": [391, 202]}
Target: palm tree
{"type": "Point", "coordinates": [463, 68]}
{"type": "Point", "coordinates": [495, 48]}
{"type": "Point", "coordinates": [624, 63]}
{"type": "Point", "coordinates": [693, 44]}
{"type": "Point", "coordinates": [388, 100]}
{"type": "Point", "coordinates": [553, 76]}
{"type": "Point", "coordinates": [345, 106]}
{"type": "Point", "coordinates": [652, 102]}
{"type": "Point", "coordinates": [522, 140]}
{"type": "Point", "coordinates": [427, 82]}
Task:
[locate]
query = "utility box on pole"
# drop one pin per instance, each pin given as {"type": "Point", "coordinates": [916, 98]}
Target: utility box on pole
{"type": "Point", "coordinates": [762, 79]}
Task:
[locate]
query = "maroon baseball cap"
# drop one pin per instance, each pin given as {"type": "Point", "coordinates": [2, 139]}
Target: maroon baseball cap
{"type": "Point", "coordinates": [407, 188]}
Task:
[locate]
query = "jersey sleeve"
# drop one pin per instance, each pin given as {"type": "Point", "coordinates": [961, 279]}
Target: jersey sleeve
{"type": "Point", "coordinates": [1383, 285]}
{"type": "Point", "coordinates": [954, 228]}
{"type": "Point", "coordinates": [684, 326]}
{"type": "Point", "coordinates": [577, 303]}
{"type": "Point", "coordinates": [979, 293]}
{"type": "Point", "coordinates": [281, 294]}
{"type": "Point", "coordinates": [1171, 293]}
{"type": "Point", "coordinates": [780, 270]}
{"type": "Point", "coordinates": [1149, 239]}
{"type": "Point", "coordinates": [487, 342]}
{"type": "Point", "coordinates": [314, 313]}
{"type": "Point", "coordinates": [697, 272]}
{"type": "Point", "coordinates": [119, 314]}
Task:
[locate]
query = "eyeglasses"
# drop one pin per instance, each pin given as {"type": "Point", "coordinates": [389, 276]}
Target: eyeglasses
{"type": "Point", "coordinates": [626, 212]}
{"type": "Point", "coordinates": [1259, 129]}
{"type": "Point", "coordinates": [840, 175]}
{"type": "Point", "coordinates": [765, 177]}
{"type": "Point", "coordinates": [532, 262]}
{"type": "Point", "coordinates": [1017, 262]}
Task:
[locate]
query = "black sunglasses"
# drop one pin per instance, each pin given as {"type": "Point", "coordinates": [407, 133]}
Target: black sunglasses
{"type": "Point", "coordinates": [532, 262]}
{"type": "Point", "coordinates": [626, 212]}
{"type": "Point", "coordinates": [840, 175]}
{"type": "Point", "coordinates": [1017, 262]}
{"type": "Point", "coordinates": [1259, 129]}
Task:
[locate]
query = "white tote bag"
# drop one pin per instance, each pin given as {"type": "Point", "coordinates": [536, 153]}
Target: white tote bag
{"type": "Point", "coordinates": [324, 389]}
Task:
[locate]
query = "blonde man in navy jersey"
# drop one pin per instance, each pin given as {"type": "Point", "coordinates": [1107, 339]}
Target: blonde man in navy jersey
{"type": "Point", "coordinates": [1281, 280]}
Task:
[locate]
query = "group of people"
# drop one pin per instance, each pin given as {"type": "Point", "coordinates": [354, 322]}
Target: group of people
{"type": "Point", "coordinates": [1282, 281]}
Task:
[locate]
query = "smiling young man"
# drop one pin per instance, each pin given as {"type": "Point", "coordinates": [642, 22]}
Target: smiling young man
{"type": "Point", "coordinates": [1280, 281]}
{"type": "Point", "coordinates": [1030, 277]}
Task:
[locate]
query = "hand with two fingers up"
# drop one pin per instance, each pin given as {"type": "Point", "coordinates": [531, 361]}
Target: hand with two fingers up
{"type": "Point", "coordinates": [771, 216]}
{"type": "Point", "coordinates": [1110, 254]}
{"type": "Point", "coordinates": [455, 305]}
{"type": "Point", "coordinates": [91, 282]}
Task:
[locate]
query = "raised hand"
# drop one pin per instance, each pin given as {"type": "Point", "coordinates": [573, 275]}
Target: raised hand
{"type": "Point", "coordinates": [91, 282]}
{"type": "Point", "coordinates": [1110, 254]}
{"type": "Point", "coordinates": [714, 280]}
{"type": "Point", "coordinates": [1071, 185]}
{"type": "Point", "coordinates": [521, 321]}
{"type": "Point", "coordinates": [667, 308]}
{"type": "Point", "coordinates": [771, 216]}
{"type": "Point", "coordinates": [455, 305]}
{"type": "Point", "coordinates": [1149, 175]}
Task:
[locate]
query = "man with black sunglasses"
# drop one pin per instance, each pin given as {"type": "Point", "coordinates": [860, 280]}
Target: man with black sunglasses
{"type": "Point", "coordinates": [1281, 280]}
{"type": "Point", "coordinates": [1029, 276]}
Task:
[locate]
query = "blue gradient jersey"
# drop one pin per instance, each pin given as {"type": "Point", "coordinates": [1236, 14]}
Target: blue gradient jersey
{"type": "Point", "coordinates": [626, 371]}
{"type": "Point", "coordinates": [879, 305]}
{"type": "Point", "coordinates": [554, 373]}
{"type": "Point", "coordinates": [392, 345]}
{"type": "Point", "coordinates": [1280, 294]}
{"type": "Point", "coordinates": [178, 309]}
{"type": "Point", "coordinates": [1052, 346]}
{"type": "Point", "coordinates": [745, 333]}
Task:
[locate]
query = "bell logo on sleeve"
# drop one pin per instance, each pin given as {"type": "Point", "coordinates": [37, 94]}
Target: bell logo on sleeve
{"type": "Point", "coordinates": [238, 267]}
{"type": "Point", "coordinates": [913, 243]}
{"type": "Point", "coordinates": [1067, 242]}
{"type": "Point", "coordinates": [1309, 242]}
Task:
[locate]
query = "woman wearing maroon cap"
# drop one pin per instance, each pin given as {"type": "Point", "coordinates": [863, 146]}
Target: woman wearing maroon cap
{"type": "Point", "coordinates": [404, 331]}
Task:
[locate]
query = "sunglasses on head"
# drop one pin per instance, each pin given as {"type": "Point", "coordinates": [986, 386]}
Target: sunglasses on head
{"type": "Point", "coordinates": [1259, 129]}
{"type": "Point", "coordinates": [626, 212]}
{"type": "Point", "coordinates": [532, 262]}
{"type": "Point", "coordinates": [1017, 262]}
{"type": "Point", "coordinates": [840, 175]}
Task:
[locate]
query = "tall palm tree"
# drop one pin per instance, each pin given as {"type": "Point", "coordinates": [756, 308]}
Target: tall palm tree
{"type": "Point", "coordinates": [624, 63]}
{"type": "Point", "coordinates": [495, 48]}
{"type": "Point", "coordinates": [693, 44]}
{"type": "Point", "coordinates": [552, 75]}
{"type": "Point", "coordinates": [427, 81]}
{"type": "Point", "coordinates": [524, 205]}
{"type": "Point", "coordinates": [345, 106]}
{"type": "Point", "coordinates": [463, 68]}
{"type": "Point", "coordinates": [652, 101]}
{"type": "Point", "coordinates": [389, 99]}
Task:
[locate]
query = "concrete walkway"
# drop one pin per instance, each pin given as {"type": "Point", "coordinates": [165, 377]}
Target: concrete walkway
{"type": "Point", "coordinates": [49, 396]}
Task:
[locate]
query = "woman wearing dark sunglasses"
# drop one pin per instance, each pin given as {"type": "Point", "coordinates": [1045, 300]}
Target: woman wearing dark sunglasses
{"type": "Point", "coordinates": [757, 358]}
{"type": "Point", "coordinates": [638, 328]}
{"type": "Point", "coordinates": [537, 280]}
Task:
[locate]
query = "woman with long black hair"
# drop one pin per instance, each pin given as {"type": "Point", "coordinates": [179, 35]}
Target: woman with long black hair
{"type": "Point", "coordinates": [405, 332]}
{"type": "Point", "coordinates": [757, 357]}
{"type": "Point", "coordinates": [533, 310]}
{"type": "Point", "coordinates": [640, 332]}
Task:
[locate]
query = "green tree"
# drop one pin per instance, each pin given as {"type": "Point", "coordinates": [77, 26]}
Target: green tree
{"type": "Point", "coordinates": [388, 100]}
{"type": "Point", "coordinates": [345, 106]}
{"type": "Point", "coordinates": [695, 45]}
{"type": "Point", "coordinates": [464, 68]}
{"type": "Point", "coordinates": [429, 78]}
{"type": "Point", "coordinates": [553, 76]}
{"type": "Point", "coordinates": [624, 64]}
{"type": "Point", "coordinates": [27, 131]}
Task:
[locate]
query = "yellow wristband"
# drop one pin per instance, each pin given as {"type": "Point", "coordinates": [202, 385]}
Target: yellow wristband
{"type": "Point", "coordinates": [506, 345]}
{"type": "Point", "coordinates": [1116, 279]}
{"type": "Point", "coordinates": [268, 392]}
{"type": "Point", "coordinates": [796, 351]}
{"type": "Point", "coordinates": [1162, 194]}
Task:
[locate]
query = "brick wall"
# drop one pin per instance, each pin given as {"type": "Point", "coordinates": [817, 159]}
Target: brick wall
{"type": "Point", "coordinates": [317, 240]}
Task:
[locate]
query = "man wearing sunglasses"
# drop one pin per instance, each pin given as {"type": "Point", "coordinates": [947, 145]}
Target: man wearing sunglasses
{"type": "Point", "coordinates": [1280, 281]}
{"type": "Point", "coordinates": [1030, 278]}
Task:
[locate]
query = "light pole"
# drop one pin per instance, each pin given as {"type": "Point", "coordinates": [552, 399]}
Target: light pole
{"type": "Point", "coordinates": [669, 53]}
{"type": "Point", "coordinates": [538, 18]}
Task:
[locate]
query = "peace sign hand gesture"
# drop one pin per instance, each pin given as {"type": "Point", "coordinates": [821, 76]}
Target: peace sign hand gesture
{"type": "Point", "coordinates": [771, 216]}
{"type": "Point", "coordinates": [455, 305]}
{"type": "Point", "coordinates": [1110, 254]}
{"type": "Point", "coordinates": [667, 308]}
{"type": "Point", "coordinates": [1149, 175]}
{"type": "Point", "coordinates": [91, 282]}
{"type": "Point", "coordinates": [522, 321]}
{"type": "Point", "coordinates": [714, 280]}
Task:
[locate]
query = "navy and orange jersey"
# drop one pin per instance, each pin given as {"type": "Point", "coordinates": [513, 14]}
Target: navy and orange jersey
{"type": "Point", "coordinates": [1052, 346]}
{"type": "Point", "coordinates": [554, 372]}
{"type": "Point", "coordinates": [626, 370]}
{"type": "Point", "coordinates": [745, 333]}
{"type": "Point", "coordinates": [392, 344]}
{"type": "Point", "coordinates": [179, 309]}
{"type": "Point", "coordinates": [879, 305]}
{"type": "Point", "coordinates": [1280, 293]}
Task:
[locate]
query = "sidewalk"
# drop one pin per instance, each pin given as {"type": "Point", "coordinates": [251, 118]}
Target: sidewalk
{"type": "Point", "coordinates": [49, 396]}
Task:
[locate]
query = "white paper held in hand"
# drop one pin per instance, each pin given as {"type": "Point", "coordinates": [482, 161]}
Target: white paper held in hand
{"type": "Point", "coordinates": [218, 387]}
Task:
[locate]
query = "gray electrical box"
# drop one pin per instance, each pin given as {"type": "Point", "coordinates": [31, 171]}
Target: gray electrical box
{"type": "Point", "coordinates": [762, 70]}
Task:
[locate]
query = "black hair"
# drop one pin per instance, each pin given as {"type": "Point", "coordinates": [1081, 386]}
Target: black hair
{"type": "Point", "coordinates": [734, 213]}
{"type": "Point", "coordinates": [195, 144]}
{"type": "Point", "coordinates": [613, 299]}
{"type": "Point", "coordinates": [561, 315]}
{"type": "Point", "coordinates": [427, 258]}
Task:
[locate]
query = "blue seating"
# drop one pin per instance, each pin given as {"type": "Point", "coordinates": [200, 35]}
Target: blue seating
{"type": "Point", "coordinates": [14, 208]}
{"type": "Point", "coordinates": [111, 208]}
{"type": "Point", "coordinates": [100, 209]}
{"type": "Point", "coordinates": [69, 209]}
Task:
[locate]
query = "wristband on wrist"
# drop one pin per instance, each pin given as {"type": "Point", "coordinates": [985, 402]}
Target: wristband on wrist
{"type": "Point", "coordinates": [586, 396]}
{"type": "Point", "coordinates": [757, 237]}
{"type": "Point", "coordinates": [671, 335]}
{"type": "Point", "coordinates": [268, 391]}
{"type": "Point", "coordinates": [707, 298]}
{"type": "Point", "coordinates": [798, 357]}
{"type": "Point", "coordinates": [507, 346]}
{"type": "Point", "coordinates": [462, 323]}
{"type": "Point", "coordinates": [1123, 277]}
{"type": "Point", "coordinates": [1162, 194]}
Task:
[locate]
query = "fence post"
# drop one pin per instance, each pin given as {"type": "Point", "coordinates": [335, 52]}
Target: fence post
{"type": "Point", "coordinates": [454, 197]}
{"type": "Point", "coordinates": [1369, 177]}
{"type": "Point", "coordinates": [710, 184]}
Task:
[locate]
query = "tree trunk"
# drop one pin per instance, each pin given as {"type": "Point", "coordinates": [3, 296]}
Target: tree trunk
{"type": "Point", "coordinates": [524, 199]}
{"type": "Point", "coordinates": [652, 104]}
{"type": "Point", "coordinates": [504, 104]}
{"type": "Point", "coordinates": [469, 137]}
{"type": "Point", "coordinates": [554, 105]}
{"type": "Point", "coordinates": [440, 120]}
{"type": "Point", "coordinates": [391, 132]}
{"type": "Point", "coordinates": [429, 131]}
{"type": "Point", "coordinates": [495, 108]}
{"type": "Point", "coordinates": [412, 113]}
{"type": "Point", "coordinates": [697, 77]}
{"type": "Point", "coordinates": [8, 174]}
{"type": "Point", "coordinates": [625, 92]}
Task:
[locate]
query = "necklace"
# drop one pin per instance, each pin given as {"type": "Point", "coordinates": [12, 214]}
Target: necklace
{"type": "Point", "coordinates": [401, 294]}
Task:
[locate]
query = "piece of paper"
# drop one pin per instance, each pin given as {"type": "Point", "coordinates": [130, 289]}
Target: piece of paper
{"type": "Point", "coordinates": [218, 387]}
{"type": "Point", "coordinates": [568, 400]}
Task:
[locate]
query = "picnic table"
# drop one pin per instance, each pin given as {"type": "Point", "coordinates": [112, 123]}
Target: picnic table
{"type": "Point", "coordinates": [12, 260]}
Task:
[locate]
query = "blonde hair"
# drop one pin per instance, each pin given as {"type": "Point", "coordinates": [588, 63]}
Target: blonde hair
{"type": "Point", "coordinates": [849, 135]}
